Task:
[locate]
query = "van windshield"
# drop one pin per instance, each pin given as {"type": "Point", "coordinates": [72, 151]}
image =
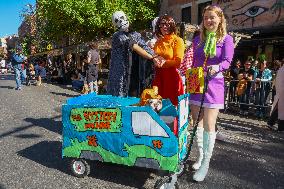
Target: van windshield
{"type": "Point", "coordinates": [143, 124]}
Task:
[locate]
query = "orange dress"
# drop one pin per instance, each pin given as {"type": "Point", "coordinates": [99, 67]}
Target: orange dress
{"type": "Point", "coordinates": [167, 78]}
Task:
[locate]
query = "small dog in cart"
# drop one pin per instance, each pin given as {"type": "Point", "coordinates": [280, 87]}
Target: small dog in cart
{"type": "Point", "coordinates": [150, 97]}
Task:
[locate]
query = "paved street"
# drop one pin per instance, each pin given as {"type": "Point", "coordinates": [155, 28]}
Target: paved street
{"type": "Point", "coordinates": [30, 152]}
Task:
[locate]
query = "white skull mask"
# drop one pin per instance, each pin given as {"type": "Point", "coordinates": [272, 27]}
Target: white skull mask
{"type": "Point", "coordinates": [119, 20]}
{"type": "Point", "coordinates": [154, 22]}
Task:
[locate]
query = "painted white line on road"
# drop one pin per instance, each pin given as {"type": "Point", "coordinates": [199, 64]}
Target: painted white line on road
{"type": "Point", "coordinates": [234, 126]}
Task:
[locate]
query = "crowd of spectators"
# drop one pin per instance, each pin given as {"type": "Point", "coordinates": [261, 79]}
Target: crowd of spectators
{"type": "Point", "coordinates": [60, 69]}
{"type": "Point", "coordinates": [67, 71]}
{"type": "Point", "coordinates": [251, 85]}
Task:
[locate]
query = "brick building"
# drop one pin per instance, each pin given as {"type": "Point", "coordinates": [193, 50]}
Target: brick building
{"type": "Point", "coordinates": [264, 20]}
{"type": "Point", "coordinates": [188, 11]}
{"type": "Point", "coordinates": [27, 27]}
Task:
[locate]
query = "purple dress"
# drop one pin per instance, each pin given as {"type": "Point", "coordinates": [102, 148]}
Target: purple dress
{"type": "Point", "coordinates": [214, 97]}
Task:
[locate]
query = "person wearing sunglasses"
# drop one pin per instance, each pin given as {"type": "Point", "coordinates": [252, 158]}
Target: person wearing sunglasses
{"type": "Point", "coordinates": [170, 48]}
{"type": "Point", "coordinates": [246, 75]}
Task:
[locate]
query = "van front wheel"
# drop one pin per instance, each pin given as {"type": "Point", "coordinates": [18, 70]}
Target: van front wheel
{"type": "Point", "coordinates": [80, 168]}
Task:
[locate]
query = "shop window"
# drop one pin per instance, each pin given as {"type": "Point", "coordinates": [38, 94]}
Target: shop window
{"type": "Point", "coordinates": [201, 6]}
{"type": "Point", "coordinates": [186, 14]}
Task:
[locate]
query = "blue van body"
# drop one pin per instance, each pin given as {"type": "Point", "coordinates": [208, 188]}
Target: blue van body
{"type": "Point", "coordinates": [114, 129]}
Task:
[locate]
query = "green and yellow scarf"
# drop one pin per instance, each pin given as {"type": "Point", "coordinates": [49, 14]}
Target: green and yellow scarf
{"type": "Point", "coordinates": [210, 44]}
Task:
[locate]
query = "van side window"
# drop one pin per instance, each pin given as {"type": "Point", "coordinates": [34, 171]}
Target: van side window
{"type": "Point", "coordinates": [143, 124]}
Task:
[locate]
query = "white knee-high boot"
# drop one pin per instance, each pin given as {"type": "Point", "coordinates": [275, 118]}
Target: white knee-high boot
{"type": "Point", "coordinates": [208, 146]}
{"type": "Point", "coordinates": [199, 140]}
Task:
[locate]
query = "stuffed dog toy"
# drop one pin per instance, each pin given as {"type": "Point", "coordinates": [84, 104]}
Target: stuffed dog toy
{"type": "Point", "coordinates": [150, 97]}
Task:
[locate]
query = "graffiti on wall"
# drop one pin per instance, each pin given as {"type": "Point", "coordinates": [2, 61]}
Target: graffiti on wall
{"type": "Point", "coordinates": [253, 13]}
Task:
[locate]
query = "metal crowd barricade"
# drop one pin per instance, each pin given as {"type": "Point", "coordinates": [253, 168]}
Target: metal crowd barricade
{"type": "Point", "coordinates": [256, 96]}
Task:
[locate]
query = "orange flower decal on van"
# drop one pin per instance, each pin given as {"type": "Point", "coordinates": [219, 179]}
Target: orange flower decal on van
{"type": "Point", "coordinates": [92, 140]}
{"type": "Point", "coordinates": [157, 144]}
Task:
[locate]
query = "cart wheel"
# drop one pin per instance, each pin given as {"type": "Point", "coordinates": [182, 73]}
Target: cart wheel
{"type": "Point", "coordinates": [165, 183]}
{"type": "Point", "coordinates": [80, 167]}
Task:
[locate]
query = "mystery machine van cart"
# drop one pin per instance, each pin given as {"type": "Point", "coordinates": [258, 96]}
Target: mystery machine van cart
{"type": "Point", "coordinates": [114, 129]}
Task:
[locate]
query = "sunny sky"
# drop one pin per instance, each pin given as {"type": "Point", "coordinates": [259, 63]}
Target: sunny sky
{"type": "Point", "coordinates": [10, 15]}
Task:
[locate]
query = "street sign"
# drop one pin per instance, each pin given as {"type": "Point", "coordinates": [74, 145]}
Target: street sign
{"type": "Point", "coordinates": [49, 47]}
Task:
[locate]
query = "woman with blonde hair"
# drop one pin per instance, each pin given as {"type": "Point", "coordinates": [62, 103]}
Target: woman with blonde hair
{"type": "Point", "coordinates": [213, 50]}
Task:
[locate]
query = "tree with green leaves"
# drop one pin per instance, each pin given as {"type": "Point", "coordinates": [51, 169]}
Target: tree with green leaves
{"type": "Point", "coordinates": [29, 37]}
{"type": "Point", "coordinates": [86, 20]}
